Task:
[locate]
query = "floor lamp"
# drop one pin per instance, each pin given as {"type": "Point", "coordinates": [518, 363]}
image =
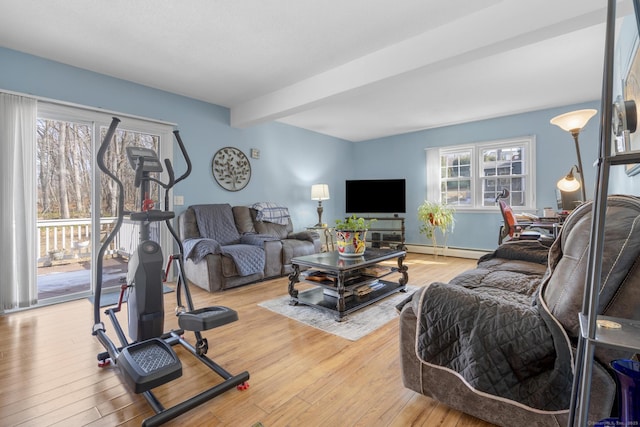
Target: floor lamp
{"type": "Point", "coordinates": [573, 122]}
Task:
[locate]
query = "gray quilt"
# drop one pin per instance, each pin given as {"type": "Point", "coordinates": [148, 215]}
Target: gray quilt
{"type": "Point", "coordinates": [216, 222]}
{"type": "Point", "coordinates": [490, 326]}
{"type": "Point", "coordinates": [220, 236]}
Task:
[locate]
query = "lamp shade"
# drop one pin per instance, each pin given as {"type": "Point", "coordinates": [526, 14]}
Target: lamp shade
{"type": "Point", "coordinates": [320, 192]}
{"type": "Point", "coordinates": [568, 183]}
{"type": "Point", "coordinates": [574, 120]}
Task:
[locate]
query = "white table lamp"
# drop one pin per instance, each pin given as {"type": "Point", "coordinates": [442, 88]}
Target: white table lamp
{"type": "Point", "coordinates": [319, 192]}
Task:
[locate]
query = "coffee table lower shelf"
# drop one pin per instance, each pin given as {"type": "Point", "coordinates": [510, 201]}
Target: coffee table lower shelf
{"type": "Point", "coordinates": [317, 298]}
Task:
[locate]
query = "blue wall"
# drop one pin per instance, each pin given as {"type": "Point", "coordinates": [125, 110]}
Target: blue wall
{"type": "Point", "coordinates": [292, 159]}
{"type": "Point", "coordinates": [405, 155]}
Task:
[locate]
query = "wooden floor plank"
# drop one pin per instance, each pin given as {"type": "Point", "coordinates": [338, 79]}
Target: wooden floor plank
{"type": "Point", "coordinates": [299, 375]}
{"type": "Point", "coordinates": [415, 412]}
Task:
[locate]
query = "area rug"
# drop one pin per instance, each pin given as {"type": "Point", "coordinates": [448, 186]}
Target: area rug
{"type": "Point", "coordinates": [357, 325]}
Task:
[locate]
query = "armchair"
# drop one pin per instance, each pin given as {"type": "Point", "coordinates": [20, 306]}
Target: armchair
{"type": "Point", "coordinates": [497, 341]}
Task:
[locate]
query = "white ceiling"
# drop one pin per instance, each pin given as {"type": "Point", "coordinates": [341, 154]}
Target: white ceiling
{"type": "Point", "coordinates": [354, 69]}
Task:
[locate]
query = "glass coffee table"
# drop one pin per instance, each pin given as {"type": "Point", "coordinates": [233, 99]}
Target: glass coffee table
{"type": "Point", "coordinates": [346, 284]}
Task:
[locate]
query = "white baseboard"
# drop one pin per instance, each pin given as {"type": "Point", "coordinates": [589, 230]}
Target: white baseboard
{"type": "Point", "coordinates": [455, 252]}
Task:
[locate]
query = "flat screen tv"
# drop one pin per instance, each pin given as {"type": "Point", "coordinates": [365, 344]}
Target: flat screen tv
{"type": "Point", "coordinates": [375, 196]}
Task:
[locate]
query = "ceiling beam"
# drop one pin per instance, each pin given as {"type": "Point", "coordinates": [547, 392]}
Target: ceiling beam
{"type": "Point", "coordinates": [488, 32]}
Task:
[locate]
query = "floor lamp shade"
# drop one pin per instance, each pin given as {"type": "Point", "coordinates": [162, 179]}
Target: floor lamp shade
{"type": "Point", "coordinates": [574, 120]}
{"type": "Point", "coordinates": [568, 183]}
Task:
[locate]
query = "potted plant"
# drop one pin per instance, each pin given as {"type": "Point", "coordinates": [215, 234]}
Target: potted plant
{"type": "Point", "coordinates": [351, 235]}
{"type": "Point", "coordinates": [436, 215]}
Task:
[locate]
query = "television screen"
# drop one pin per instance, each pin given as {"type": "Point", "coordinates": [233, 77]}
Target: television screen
{"type": "Point", "coordinates": [375, 196]}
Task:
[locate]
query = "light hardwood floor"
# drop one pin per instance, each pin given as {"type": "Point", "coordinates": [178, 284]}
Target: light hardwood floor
{"type": "Point", "coordinates": [300, 376]}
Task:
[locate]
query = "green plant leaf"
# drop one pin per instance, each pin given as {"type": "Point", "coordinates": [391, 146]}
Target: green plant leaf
{"type": "Point", "coordinates": [353, 224]}
{"type": "Point", "coordinates": [435, 215]}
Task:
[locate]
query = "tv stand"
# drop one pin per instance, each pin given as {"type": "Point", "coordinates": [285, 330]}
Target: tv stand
{"type": "Point", "coordinates": [391, 236]}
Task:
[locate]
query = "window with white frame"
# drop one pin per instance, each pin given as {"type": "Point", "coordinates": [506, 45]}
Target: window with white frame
{"type": "Point", "coordinates": [472, 176]}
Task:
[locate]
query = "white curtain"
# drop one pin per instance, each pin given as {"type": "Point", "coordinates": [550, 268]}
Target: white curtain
{"type": "Point", "coordinates": [18, 284]}
{"type": "Point", "coordinates": [433, 174]}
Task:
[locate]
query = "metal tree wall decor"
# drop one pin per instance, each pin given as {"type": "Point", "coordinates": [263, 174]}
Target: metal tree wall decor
{"type": "Point", "coordinates": [231, 169]}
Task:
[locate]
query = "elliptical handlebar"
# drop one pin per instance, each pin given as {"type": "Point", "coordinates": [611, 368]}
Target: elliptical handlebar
{"type": "Point", "coordinates": [185, 156]}
{"type": "Point", "coordinates": [116, 228]}
{"type": "Point", "coordinates": [172, 176]}
{"type": "Point", "coordinates": [103, 148]}
{"type": "Point", "coordinates": [170, 172]}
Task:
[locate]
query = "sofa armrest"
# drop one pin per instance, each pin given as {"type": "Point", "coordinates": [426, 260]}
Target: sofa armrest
{"type": "Point", "coordinates": [197, 249]}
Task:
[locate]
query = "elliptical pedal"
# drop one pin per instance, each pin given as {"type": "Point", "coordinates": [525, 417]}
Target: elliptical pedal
{"type": "Point", "coordinates": [149, 364]}
{"type": "Point", "coordinates": [206, 318]}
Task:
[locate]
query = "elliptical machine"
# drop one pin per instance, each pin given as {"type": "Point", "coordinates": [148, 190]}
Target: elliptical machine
{"type": "Point", "coordinates": [149, 360]}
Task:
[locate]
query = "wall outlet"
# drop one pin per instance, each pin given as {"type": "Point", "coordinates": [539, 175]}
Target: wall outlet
{"type": "Point", "coordinates": [178, 200]}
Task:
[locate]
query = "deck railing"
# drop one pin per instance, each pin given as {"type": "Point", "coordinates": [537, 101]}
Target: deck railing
{"type": "Point", "coordinates": [71, 238]}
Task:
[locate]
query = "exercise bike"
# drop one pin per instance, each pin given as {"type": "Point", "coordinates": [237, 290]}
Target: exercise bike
{"type": "Point", "coordinates": [149, 361]}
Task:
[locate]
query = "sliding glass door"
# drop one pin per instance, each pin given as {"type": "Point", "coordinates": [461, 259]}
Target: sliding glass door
{"type": "Point", "coordinates": [77, 208]}
{"type": "Point", "coordinates": [64, 177]}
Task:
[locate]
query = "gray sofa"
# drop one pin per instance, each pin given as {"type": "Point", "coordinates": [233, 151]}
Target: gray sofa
{"type": "Point", "coordinates": [498, 341]}
{"type": "Point", "coordinates": [229, 246]}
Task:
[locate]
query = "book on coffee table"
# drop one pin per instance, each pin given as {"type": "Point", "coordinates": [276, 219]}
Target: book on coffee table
{"type": "Point", "coordinates": [375, 271]}
{"type": "Point", "coordinates": [334, 293]}
{"type": "Point", "coordinates": [318, 276]}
